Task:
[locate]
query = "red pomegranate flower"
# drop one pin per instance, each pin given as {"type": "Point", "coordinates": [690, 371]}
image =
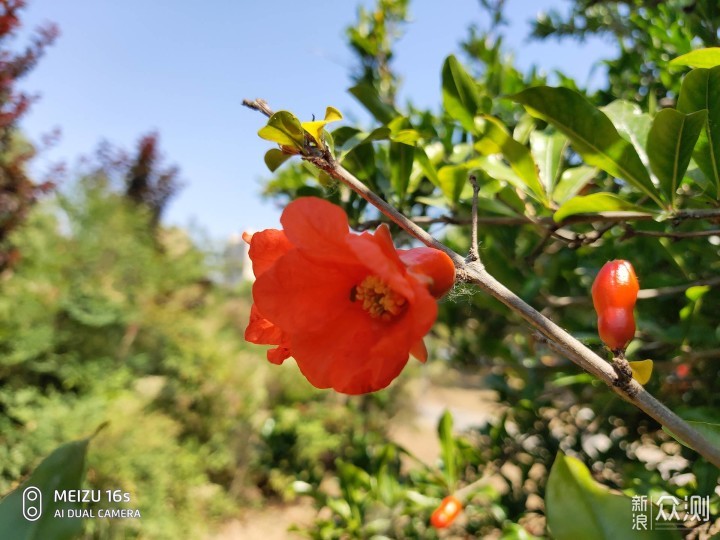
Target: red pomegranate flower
{"type": "Point", "coordinates": [343, 305]}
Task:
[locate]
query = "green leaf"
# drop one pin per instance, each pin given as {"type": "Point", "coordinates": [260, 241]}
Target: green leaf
{"type": "Point", "coordinates": [591, 134]}
{"type": "Point", "coordinates": [547, 150]}
{"type": "Point", "coordinates": [631, 123]}
{"type": "Point", "coordinates": [367, 95]}
{"type": "Point", "coordinates": [62, 470]}
{"type": "Point", "coordinates": [701, 58]}
{"type": "Point", "coordinates": [361, 162]}
{"type": "Point", "coordinates": [579, 507]}
{"type": "Point", "coordinates": [670, 146]}
{"type": "Point", "coordinates": [572, 181]}
{"type": "Point", "coordinates": [513, 531]}
{"type": "Point", "coordinates": [448, 448]}
{"type": "Point", "coordinates": [710, 431]}
{"type": "Point", "coordinates": [594, 203]}
{"type": "Point", "coordinates": [701, 90]}
{"type": "Point", "coordinates": [453, 179]}
{"type": "Point", "coordinates": [423, 166]}
{"type": "Point", "coordinates": [497, 140]}
{"type": "Point", "coordinates": [284, 129]}
{"type": "Point", "coordinates": [460, 92]}
{"type": "Point", "coordinates": [274, 158]}
{"type": "Point", "coordinates": [401, 162]}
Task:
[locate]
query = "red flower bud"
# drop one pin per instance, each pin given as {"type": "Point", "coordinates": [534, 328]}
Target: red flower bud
{"type": "Point", "coordinates": [445, 514]}
{"type": "Point", "coordinates": [614, 293]}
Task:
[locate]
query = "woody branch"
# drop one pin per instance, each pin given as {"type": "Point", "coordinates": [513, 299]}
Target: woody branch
{"type": "Point", "coordinates": [474, 272]}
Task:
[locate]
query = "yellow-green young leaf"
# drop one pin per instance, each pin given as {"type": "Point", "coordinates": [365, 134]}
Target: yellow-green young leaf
{"type": "Point", "coordinates": [274, 158]}
{"type": "Point", "coordinates": [641, 370]}
{"type": "Point", "coordinates": [453, 179]}
{"type": "Point", "coordinates": [578, 507]}
{"type": "Point", "coordinates": [592, 204]}
{"type": "Point", "coordinates": [284, 129]}
{"type": "Point", "coordinates": [701, 90]}
{"type": "Point", "coordinates": [591, 134]}
{"type": "Point", "coordinates": [701, 58]}
{"type": "Point", "coordinates": [497, 140]}
{"type": "Point", "coordinates": [460, 92]}
{"type": "Point", "coordinates": [696, 293]}
{"type": "Point", "coordinates": [316, 127]}
{"type": "Point", "coordinates": [670, 146]}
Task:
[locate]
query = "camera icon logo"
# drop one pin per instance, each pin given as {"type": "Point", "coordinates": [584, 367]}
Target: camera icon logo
{"type": "Point", "coordinates": [32, 503]}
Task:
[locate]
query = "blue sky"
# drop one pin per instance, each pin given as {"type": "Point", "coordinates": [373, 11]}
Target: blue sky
{"type": "Point", "coordinates": [122, 69]}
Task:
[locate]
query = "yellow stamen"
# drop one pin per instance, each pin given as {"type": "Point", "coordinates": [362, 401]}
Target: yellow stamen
{"type": "Point", "coordinates": [379, 300]}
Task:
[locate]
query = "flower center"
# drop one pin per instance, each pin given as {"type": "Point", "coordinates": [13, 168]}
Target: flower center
{"type": "Point", "coordinates": [379, 300]}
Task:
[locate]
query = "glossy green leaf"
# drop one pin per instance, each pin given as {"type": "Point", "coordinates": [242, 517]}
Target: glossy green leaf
{"type": "Point", "coordinates": [594, 203]}
{"type": "Point", "coordinates": [631, 123]}
{"type": "Point", "coordinates": [453, 178]}
{"type": "Point", "coordinates": [447, 447]}
{"type": "Point", "coordinates": [547, 151]}
{"type": "Point", "coordinates": [701, 90]}
{"type": "Point", "coordinates": [367, 95]}
{"type": "Point", "coordinates": [274, 158]}
{"type": "Point", "coordinates": [495, 168]}
{"type": "Point", "coordinates": [591, 134]}
{"type": "Point", "coordinates": [579, 507]}
{"type": "Point", "coordinates": [497, 140]}
{"type": "Point", "coordinates": [572, 181]}
{"type": "Point", "coordinates": [460, 92]}
{"type": "Point", "coordinates": [670, 146]}
{"type": "Point", "coordinates": [62, 470]}
{"type": "Point", "coordinates": [284, 129]}
{"type": "Point", "coordinates": [701, 58]}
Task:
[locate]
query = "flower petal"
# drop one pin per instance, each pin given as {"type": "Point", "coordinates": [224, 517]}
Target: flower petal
{"type": "Point", "coordinates": [278, 355]}
{"type": "Point", "coordinates": [419, 351]}
{"type": "Point", "coordinates": [261, 331]}
{"type": "Point", "coordinates": [318, 228]}
{"type": "Point", "coordinates": [301, 295]}
{"type": "Point", "coordinates": [340, 358]}
{"type": "Point", "coordinates": [266, 247]}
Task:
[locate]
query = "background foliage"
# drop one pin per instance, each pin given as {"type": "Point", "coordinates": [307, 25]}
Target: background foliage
{"type": "Point", "coordinates": [106, 315]}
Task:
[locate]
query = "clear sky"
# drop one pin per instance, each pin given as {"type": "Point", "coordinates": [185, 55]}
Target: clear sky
{"type": "Point", "coordinates": [181, 67]}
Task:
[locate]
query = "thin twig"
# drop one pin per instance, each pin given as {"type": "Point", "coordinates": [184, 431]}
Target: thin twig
{"type": "Point", "coordinates": [675, 235]}
{"type": "Point", "coordinates": [474, 254]}
{"type": "Point", "coordinates": [561, 341]}
{"type": "Point", "coordinates": [258, 105]}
